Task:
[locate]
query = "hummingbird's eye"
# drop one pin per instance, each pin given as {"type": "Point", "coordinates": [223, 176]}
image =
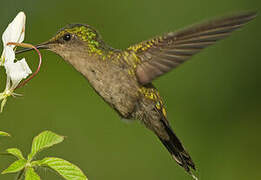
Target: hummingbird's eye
{"type": "Point", "coordinates": [67, 37]}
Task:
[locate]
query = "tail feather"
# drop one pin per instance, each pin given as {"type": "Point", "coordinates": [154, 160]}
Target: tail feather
{"type": "Point", "coordinates": [177, 150]}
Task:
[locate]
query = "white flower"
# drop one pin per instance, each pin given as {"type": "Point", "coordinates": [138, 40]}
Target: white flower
{"type": "Point", "coordinates": [15, 71]}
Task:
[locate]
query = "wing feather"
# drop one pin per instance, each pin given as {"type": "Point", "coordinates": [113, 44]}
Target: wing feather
{"type": "Point", "coordinates": [162, 54]}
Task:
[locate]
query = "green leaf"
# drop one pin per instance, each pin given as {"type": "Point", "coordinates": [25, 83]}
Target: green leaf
{"type": "Point", "coordinates": [44, 140]}
{"type": "Point", "coordinates": [4, 134]}
{"type": "Point", "coordinates": [15, 167]}
{"type": "Point", "coordinates": [66, 169]}
{"type": "Point", "coordinates": [30, 174]}
{"type": "Point", "coordinates": [15, 152]}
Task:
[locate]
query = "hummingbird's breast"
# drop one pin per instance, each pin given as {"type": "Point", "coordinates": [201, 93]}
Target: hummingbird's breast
{"type": "Point", "coordinates": [111, 81]}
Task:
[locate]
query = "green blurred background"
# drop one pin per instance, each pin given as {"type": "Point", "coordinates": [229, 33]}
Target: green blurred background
{"type": "Point", "coordinates": [213, 101]}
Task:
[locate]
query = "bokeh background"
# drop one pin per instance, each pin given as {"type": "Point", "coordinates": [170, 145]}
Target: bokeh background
{"type": "Point", "coordinates": [213, 101]}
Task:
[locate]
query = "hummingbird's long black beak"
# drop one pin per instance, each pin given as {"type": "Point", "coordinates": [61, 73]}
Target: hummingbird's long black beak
{"type": "Point", "coordinates": [39, 46]}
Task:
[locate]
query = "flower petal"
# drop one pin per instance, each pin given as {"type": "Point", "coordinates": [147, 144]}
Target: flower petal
{"type": "Point", "coordinates": [17, 71]}
{"type": "Point", "coordinates": [8, 55]}
{"type": "Point", "coordinates": [16, 30]}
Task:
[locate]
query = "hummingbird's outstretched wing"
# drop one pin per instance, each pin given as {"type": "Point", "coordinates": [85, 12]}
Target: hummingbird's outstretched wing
{"type": "Point", "coordinates": [163, 53]}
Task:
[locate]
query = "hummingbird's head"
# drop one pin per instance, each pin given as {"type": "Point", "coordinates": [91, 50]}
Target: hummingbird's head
{"type": "Point", "coordinates": [73, 38]}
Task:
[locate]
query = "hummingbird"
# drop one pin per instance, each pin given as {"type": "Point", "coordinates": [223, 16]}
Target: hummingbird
{"type": "Point", "coordinates": [123, 78]}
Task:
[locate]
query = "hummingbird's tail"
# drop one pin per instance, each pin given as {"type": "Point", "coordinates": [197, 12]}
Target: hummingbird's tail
{"type": "Point", "coordinates": [177, 150]}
